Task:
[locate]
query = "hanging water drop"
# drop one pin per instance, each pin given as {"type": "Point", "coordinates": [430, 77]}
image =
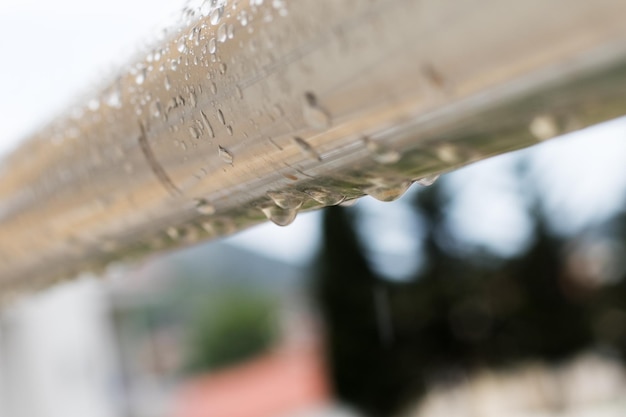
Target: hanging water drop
{"type": "Point", "coordinates": [225, 155]}
{"type": "Point", "coordinates": [286, 199]}
{"type": "Point", "coordinates": [306, 149]}
{"type": "Point", "coordinates": [429, 180]}
{"type": "Point", "coordinates": [279, 216]}
{"type": "Point", "coordinates": [389, 192]}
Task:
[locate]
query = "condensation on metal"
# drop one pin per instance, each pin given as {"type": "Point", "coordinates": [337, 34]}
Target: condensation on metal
{"type": "Point", "coordinates": [255, 110]}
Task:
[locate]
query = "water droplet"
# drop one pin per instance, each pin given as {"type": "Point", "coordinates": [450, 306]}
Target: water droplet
{"type": "Point", "coordinates": [220, 116]}
{"type": "Point", "coordinates": [181, 46]}
{"type": "Point", "coordinates": [239, 92]}
{"type": "Point", "coordinates": [349, 203]}
{"type": "Point", "coordinates": [429, 180]}
{"type": "Point", "coordinates": [388, 192]}
{"type": "Point", "coordinates": [167, 83]}
{"type": "Point", "coordinates": [194, 132]}
{"type": "Point", "coordinates": [380, 153]}
{"type": "Point", "coordinates": [206, 7]}
{"type": "Point", "coordinates": [243, 18]}
{"type": "Point", "coordinates": [204, 207]}
{"type": "Point", "coordinates": [229, 129]}
{"type": "Point", "coordinates": [544, 127]}
{"type": "Point", "coordinates": [306, 149]}
{"type": "Point", "coordinates": [222, 68]}
{"type": "Point", "coordinates": [221, 32]}
{"type": "Point", "coordinates": [141, 76]}
{"type": "Point", "coordinates": [216, 15]}
{"type": "Point", "coordinates": [213, 88]}
{"type": "Point", "coordinates": [212, 45]}
{"type": "Point", "coordinates": [155, 108]}
{"type": "Point", "coordinates": [173, 233]}
{"type": "Point", "coordinates": [93, 104]}
{"type": "Point", "coordinates": [225, 155]}
{"type": "Point", "coordinates": [114, 99]}
{"type": "Point", "coordinates": [279, 216]}
{"type": "Point", "coordinates": [230, 31]}
{"type": "Point", "coordinates": [286, 199]}
{"type": "Point", "coordinates": [207, 124]}
{"type": "Point", "coordinates": [314, 115]}
{"type": "Point", "coordinates": [325, 197]}
{"type": "Point", "coordinates": [193, 100]}
{"type": "Point", "coordinates": [448, 153]}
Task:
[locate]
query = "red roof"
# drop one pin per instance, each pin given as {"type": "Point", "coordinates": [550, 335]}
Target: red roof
{"type": "Point", "coordinates": [280, 383]}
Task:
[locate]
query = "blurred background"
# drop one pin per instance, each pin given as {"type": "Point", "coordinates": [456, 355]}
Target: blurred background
{"type": "Point", "coordinates": [499, 290]}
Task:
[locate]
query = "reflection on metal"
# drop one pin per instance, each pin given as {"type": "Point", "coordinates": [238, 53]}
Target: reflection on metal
{"type": "Point", "coordinates": [260, 109]}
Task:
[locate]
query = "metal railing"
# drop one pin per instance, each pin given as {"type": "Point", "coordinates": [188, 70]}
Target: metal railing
{"type": "Point", "coordinates": [257, 110]}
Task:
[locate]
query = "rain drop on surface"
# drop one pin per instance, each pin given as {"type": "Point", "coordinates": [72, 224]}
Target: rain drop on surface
{"type": "Point", "coordinates": [194, 132]}
{"type": "Point", "coordinates": [220, 116]}
{"type": "Point", "coordinates": [286, 199]}
{"type": "Point", "coordinates": [388, 193]}
{"type": "Point", "coordinates": [212, 45]}
{"type": "Point", "coordinates": [229, 129]}
{"type": "Point", "coordinates": [216, 15]}
{"type": "Point", "coordinates": [306, 149]}
{"type": "Point", "coordinates": [314, 115]}
{"type": "Point", "coordinates": [380, 153]}
{"type": "Point", "coordinates": [222, 68]}
{"type": "Point", "coordinates": [221, 32]}
{"type": "Point", "coordinates": [213, 88]}
{"type": "Point", "coordinates": [325, 197]}
{"type": "Point", "coordinates": [114, 99]}
{"type": "Point", "coordinates": [544, 127]}
{"type": "Point", "coordinates": [204, 207]}
{"type": "Point", "coordinates": [207, 124]}
{"type": "Point", "coordinates": [173, 233]}
{"type": "Point", "coordinates": [429, 180]}
{"type": "Point", "coordinates": [279, 216]}
{"type": "Point", "coordinates": [181, 46]}
{"type": "Point", "coordinates": [225, 155]}
{"type": "Point", "coordinates": [141, 76]}
{"type": "Point", "coordinates": [155, 108]}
